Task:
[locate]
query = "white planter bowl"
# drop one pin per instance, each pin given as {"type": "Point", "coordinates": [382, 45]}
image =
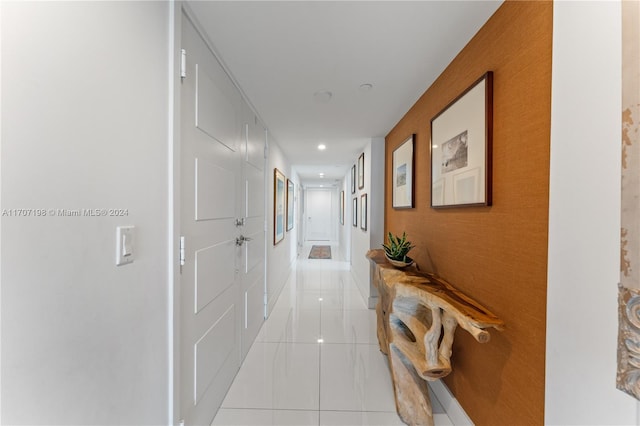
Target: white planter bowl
{"type": "Point", "coordinates": [398, 263]}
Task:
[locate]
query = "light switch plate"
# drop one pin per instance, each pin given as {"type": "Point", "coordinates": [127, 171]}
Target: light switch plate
{"type": "Point", "coordinates": [125, 245]}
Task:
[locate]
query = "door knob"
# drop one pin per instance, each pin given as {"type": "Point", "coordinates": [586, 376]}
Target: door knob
{"type": "Point", "coordinates": [241, 239]}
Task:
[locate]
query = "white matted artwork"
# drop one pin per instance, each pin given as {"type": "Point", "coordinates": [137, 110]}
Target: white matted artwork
{"type": "Point", "coordinates": [403, 175]}
{"type": "Point", "coordinates": [461, 136]}
{"type": "Point", "coordinates": [466, 186]}
{"type": "Point", "coordinates": [437, 192]}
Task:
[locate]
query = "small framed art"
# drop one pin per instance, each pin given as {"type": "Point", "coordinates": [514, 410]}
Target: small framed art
{"type": "Point", "coordinates": [363, 212]}
{"type": "Point", "coordinates": [403, 174]}
{"type": "Point", "coordinates": [290, 200]}
{"type": "Point", "coordinates": [354, 212]}
{"type": "Point", "coordinates": [361, 171]}
{"type": "Point", "coordinates": [279, 196]}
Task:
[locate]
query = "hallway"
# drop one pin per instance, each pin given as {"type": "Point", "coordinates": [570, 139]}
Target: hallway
{"type": "Point", "coordinates": [316, 360]}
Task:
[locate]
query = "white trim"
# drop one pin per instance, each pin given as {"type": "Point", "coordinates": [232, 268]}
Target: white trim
{"type": "Point", "coordinates": [451, 406]}
{"type": "Point", "coordinates": [175, 408]}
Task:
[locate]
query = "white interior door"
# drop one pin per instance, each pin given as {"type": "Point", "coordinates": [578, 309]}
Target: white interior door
{"type": "Point", "coordinates": [319, 213]}
{"type": "Point", "coordinates": [211, 203]}
{"type": "Point", "coordinates": [254, 229]}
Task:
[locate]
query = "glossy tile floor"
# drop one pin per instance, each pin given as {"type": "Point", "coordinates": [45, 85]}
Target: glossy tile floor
{"type": "Point", "coordinates": [316, 360]}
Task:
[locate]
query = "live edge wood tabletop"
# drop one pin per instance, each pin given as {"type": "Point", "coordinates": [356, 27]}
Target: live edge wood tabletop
{"type": "Point", "coordinates": [414, 309]}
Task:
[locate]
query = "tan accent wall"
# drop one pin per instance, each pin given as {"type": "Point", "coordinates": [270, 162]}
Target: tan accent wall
{"type": "Point", "coordinates": [497, 254]}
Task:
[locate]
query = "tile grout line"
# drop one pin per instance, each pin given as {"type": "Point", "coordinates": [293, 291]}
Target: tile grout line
{"type": "Point", "coordinates": [320, 363]}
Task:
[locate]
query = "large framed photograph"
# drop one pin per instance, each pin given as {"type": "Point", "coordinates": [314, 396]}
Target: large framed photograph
{"type": "Point", "coordinates": [278, 206]}
{"type": "Point", "coordinates": [290, 200]}
{"type": "Point", "coordinates": [363, 212]}
{"type": "Point", "coordinates": [341, 208]}
{"type": "Point", "coordinates": [354, 212]}
{"type": "Point", "coordinates": [353, 179]}
{"type": "Point", "coordinates": [461, 142]}
{"type": "Point", "coordinates": [361, 171]}
{"type": "Point", "coordinates": [403, 175]}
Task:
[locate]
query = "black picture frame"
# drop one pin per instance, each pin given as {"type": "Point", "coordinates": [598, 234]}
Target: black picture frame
{"type": "Point", "coordinates": [403, 175]}
{"type": "Point", "coordinates": [461, 148]}
{"type": "Point", "coordinates": [341, 208]}
{"type": "Point", "coordinates": [353, 179]}
{"type": "Point", "coordinates": [354, 212]}
{"type": "Point", "coordinates": [363, 212]}
{"type": "Point", "coordinates": [290, 205]}
{"type": "Point", "coordinates": [361, 171]}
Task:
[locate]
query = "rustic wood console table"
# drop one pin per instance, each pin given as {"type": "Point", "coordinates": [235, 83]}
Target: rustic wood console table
{"type": "Point", "coordinates": [413, 310]}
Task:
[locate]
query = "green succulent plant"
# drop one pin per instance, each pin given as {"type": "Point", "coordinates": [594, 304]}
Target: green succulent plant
{"type": "Point", "coordinates": [398, 247]}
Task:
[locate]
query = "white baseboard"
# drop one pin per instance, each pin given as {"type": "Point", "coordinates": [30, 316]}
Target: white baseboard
{"type": "Point", "coordinates": [372, 302]}
{"type": "Point", "coordinates": [451, 405]}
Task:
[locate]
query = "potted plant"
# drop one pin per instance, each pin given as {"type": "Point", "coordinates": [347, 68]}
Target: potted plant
{"type": "Point", "coordinates": [396, 250]}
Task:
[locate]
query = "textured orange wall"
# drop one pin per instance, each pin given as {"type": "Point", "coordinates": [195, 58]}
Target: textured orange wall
{"type": "Point", "coordinates": [497, 254]}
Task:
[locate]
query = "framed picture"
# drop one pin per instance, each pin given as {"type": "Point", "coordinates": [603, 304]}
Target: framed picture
{"type": "Point", "coordinates": [363, 211]}
{"type": "Point", "coordinates": [341, 208]}
{"type": "Point", "coordinates": [353, 179]}
{"type": "Point", "coordinates": [461, 142]}
{"type": "Point", "coordinates": [290, 200]}
{"type": "Point", "coordinates": [354, 212]}
{"type": "Point", "coordinates": [278, 206]}
{"type": "Point", "coordinates": [403, 175]}
{"type": "Point", "coordinates": [361, 171]}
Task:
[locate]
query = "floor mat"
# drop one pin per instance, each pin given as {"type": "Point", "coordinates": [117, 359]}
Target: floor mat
{"type": "Point", "coordinates": [320, 252]}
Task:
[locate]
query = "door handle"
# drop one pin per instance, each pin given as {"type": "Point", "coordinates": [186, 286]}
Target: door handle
{"type": "Point", "coordinates": [241, 239]}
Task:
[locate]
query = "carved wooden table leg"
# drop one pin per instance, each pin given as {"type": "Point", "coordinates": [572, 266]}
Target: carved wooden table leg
{"type": "Point", "coordinates": [411, 390]}
{"type": "Point", "coordinates": [382, 311]}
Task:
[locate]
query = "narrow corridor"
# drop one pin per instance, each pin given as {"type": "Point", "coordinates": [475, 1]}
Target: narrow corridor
{"type": "Point", "coordinates": [316, 360]}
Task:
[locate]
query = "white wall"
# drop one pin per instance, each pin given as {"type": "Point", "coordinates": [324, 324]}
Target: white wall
{"type": "Point", "coordinates": [362, 241]}
{"type": "Point", "coordinates": [584, 218]}
{"type": "Point", "coordinates": [85, 96]}
{"type": "Point", "coordinates": [281, 256]}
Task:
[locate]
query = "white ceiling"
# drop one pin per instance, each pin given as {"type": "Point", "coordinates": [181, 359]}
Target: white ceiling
{"type": "Point", "coordinates": [282, 52]}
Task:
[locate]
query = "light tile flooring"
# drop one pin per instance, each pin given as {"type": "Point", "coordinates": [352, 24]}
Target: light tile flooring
{"type": "Point", "coordinates": [316, 360]}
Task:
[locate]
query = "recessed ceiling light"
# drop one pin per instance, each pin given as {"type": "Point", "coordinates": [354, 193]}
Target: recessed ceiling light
{"type": "Point", "coordinates": [322, 96]}
{"type": "Point", "coordinates": [366, 87]}
{"type": "Point", "coordinates": [322, 147]}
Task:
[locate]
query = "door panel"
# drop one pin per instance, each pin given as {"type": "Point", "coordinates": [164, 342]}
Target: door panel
{"type": "Point", "coordinates": [216, 190]}
{"type": "Point", "coordinates": [255, 193]}
{"type": "Point", "coordinates": [319, 215]}
{"type": "Point", "coordinates": [211, 191]}
{"type": "Point", "coordinates": [254, 251]}
{"type": "Point", "coordinates": [253, 272]}
{"type": "Point", "coordinates": [211, 262]}
{"type": "Point", "coordinates": [210, 355]}
{"type": "Point", "coordinates": [215, 112]}
{"type": "Point", "coordinates": [255, 144]}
